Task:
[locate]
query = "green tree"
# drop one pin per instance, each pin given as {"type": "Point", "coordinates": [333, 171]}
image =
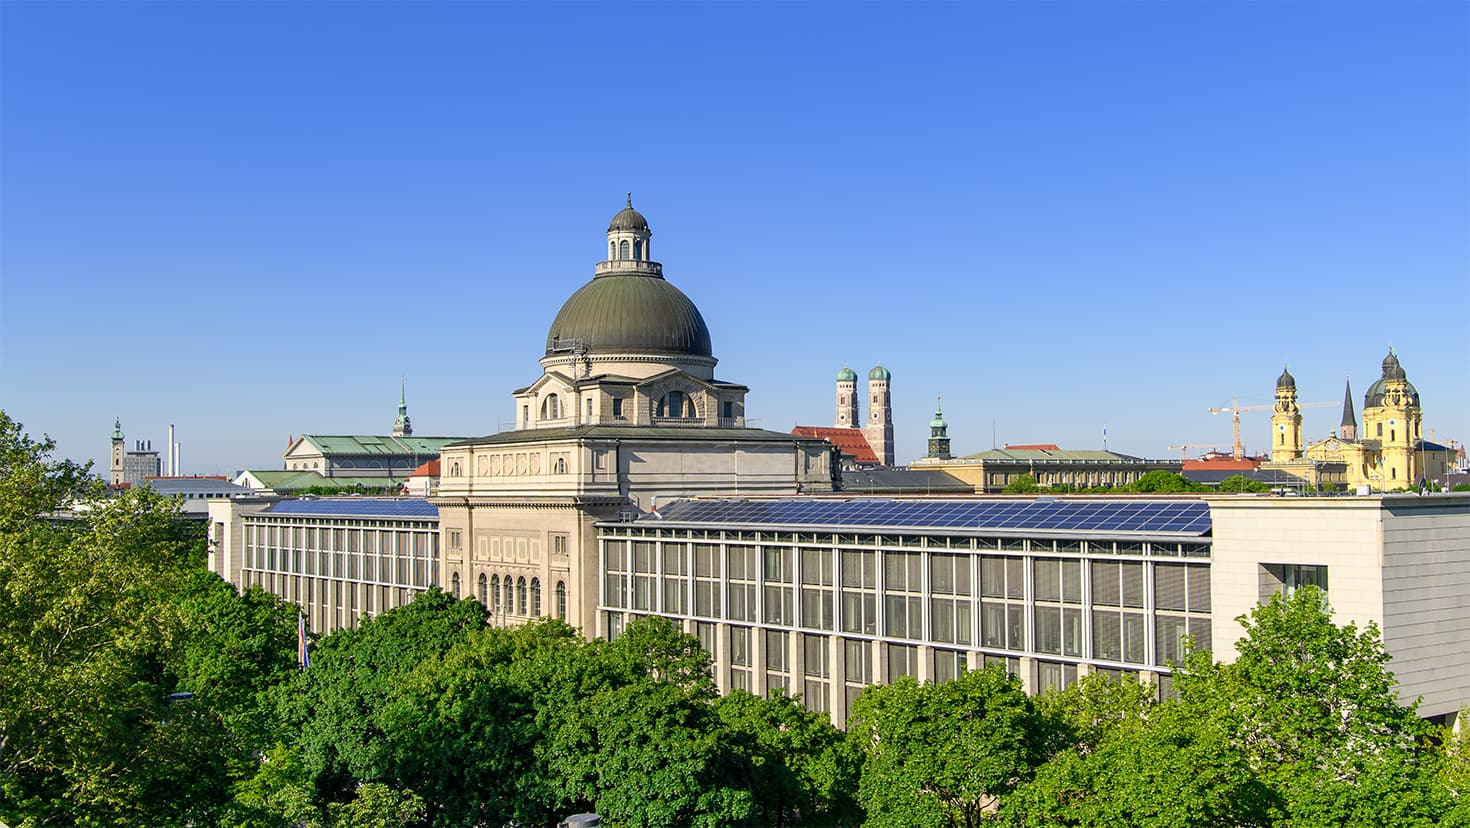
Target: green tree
{"type": "Point", "coordinates": [96, 632]}
{"type": "Point", "coordinates": [802, 769]}
{"type": "Point", "coordinates": [1241, 483]}
{"type": "Point", "coordinates": [1022, 484]}
{"type": "Point", "coordinates": [31, 484]}
{"type": "Point", "coordinates": [1163, 482]}
{"type": "Point", "coordinates": [1167, 770]}
{"type": "Point", "coordinates": [334, 709]}
{"type": "Point", "coordinates": [638, 741]}
{"type": "Point", "coordinates": [944, 754]}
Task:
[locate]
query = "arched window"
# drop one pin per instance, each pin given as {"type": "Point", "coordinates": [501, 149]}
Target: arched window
{"type": "Point", "coordinates": [510, 604]}
{"type": "Point", "coordinates": [551, 407]}
{"type": "Point", "coordinates": [623, 249]}
{"type": "Point", "coordinates": [561, 466]}
{"type": "Point", "coordinates": [612, 250]}
{"type": "Point", "coordinates": [454, 586]}
{"type": "Point", "coordinates": [675, 404]}
{"type": "Point", "coordinates": [535, 597]}
{"type": "Point", "coordinates": [494, 605]}
{"type": "Point", "coordinates": [484, 591]}
{"type": "Point", "coordinates": [561, 600]}
{"type": "Point", "coordinates": [638, 250]}
{"type": "Point", "coordinates": [520, 596]}
{"type": "Point", "coordinates": [454, 469]}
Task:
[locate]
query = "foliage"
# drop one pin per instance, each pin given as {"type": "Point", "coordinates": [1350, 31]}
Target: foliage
{"type": "Point", "coordinates": [944, 754]}
{"type": "Point", "coordinates": [102, 619]}
{"type": "Point", "coordinates": [802, 769]}
{"type": "Point", "coordinates": [1461, 487]}
{"type": "Point", "coordinates": [334, 708]}
{"type": "Point", "coordinates": [1241, 483]}
{"type": "Point", "coordinates": [1162, 482]}
{"type": "Point", "coordinates": [33, 486]}
{"type": "Point", "coordinates": [1022, 484]}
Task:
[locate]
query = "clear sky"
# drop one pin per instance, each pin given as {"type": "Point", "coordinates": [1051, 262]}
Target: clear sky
{"type": "Point", "coordinates": [249, 219]}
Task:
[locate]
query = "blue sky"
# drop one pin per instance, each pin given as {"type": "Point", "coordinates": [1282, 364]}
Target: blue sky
{"type": "Point", "coordinates": [249, 219]}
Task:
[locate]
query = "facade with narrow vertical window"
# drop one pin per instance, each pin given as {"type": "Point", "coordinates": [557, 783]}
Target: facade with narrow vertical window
{"type": "Point", "coordinates": [339, 559]}
{"type": "Point", "coordinates": [825, 596]}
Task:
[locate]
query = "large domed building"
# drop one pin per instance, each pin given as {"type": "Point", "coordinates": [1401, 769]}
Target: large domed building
{"type": "Point", "coordinates": [627, 412]}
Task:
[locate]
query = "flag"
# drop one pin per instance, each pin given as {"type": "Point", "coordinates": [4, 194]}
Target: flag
{"type": "Point", "coordinates": [302, 657]}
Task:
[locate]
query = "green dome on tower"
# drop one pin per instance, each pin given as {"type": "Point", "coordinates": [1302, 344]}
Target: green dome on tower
{"type": "Point", "coordinates": [879, 373]}
{"type": "Point", "coordinates": [846, 375]}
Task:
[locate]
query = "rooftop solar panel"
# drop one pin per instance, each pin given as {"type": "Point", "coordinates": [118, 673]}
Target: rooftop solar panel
{"type": "Point", "coordinates": [1174, 516]}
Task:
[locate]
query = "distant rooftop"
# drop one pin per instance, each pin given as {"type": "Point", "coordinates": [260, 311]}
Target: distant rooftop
{"type": "Point", "coordinates": [849, 441]}
{"type": "Point", "coordinates": [358, 507]}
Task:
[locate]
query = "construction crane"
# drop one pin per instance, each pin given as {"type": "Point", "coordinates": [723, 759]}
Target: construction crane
{"type": "Point", "coordinates": [1184, 449]}
{"type": "Point", "coordinates": [1236, 408]}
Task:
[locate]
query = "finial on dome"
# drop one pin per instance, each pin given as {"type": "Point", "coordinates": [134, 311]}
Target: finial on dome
{"type": "Point", "coordinates": [630, 198]}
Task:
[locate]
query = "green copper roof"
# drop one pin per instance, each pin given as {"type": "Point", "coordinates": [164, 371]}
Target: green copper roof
{"type": "Point", "coordinates": [879, 373]}
{"type": "Point", "coordinates": [117, 429]}
{"type": "Point", "coordinates": [630, 313]}
{"type": "Point", "coordinates": [629, 219]}
{"type": "Point", "coordinates": [847, 375]}
{"type": "Point", "coordinates": [373, 444]}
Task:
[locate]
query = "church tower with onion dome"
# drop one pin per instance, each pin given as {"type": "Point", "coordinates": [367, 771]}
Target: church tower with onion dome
{"type": "Point", "coordinates": [1286, 421]}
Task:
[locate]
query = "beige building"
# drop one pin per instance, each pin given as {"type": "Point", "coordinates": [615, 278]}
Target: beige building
{"type": "Point", "coordinates": [627, 412]}
{"type": "Point", "coordinates": [1399, 561]}
{"type": "Point", "coordinates": [991, 471]}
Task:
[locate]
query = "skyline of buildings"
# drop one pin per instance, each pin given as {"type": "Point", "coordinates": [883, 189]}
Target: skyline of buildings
{"type": "Point", "coordinates": [631, 483]}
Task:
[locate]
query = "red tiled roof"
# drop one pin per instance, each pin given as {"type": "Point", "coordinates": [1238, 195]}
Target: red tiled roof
{"type": "Point", "coordinates": [849, 441]}
{"type": "Point", "coordinates": [429, 469]}
{"type": "Point", "coordinates": [1035, 447]}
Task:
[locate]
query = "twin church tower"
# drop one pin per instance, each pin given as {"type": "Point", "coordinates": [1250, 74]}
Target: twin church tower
{"type": "Point", "coordinates": [878, 428]}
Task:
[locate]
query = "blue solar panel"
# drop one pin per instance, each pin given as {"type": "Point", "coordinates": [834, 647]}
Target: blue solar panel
{"type": "Point", "coordinates": [1174, 516]}
{"type": "Point", "coordinates": [357, 507]}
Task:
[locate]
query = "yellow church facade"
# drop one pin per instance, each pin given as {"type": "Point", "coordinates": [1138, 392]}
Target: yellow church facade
{"type": "Point", "coordinates": [1388, 453]}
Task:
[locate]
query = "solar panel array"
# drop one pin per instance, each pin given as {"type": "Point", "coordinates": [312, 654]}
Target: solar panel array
{"type": "Point", "coordinates": [1190, 517]}
{"type": "Point", "coordinates": [357, 507]}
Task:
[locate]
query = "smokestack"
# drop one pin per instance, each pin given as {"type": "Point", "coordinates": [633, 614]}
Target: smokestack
{"type": "Point", "coordinates": [178, 459]}
{"type": "Point", "coordinates": [171, 445]}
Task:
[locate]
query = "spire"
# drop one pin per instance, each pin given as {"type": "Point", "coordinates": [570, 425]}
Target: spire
{"type": "Point", "coordinates": [402, 427]}
{"type": "Point", "coordinates": [1348, 419]}
{"type": "Point", "coordinates": [939, 432]}
{"type": "Point", "coordinates": [117, 429]}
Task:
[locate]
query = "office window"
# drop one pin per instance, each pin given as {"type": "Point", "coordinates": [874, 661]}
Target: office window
{"type": "Point", "coordinates": [675, 578]}
{"type": "Point", "coordinates": [816, 588]}
{"type": "Point", "coordinates": [740, 577]}
{"type": "Point", "coordinates": [614, 571]}
{"type": "Point", "coordinates": [903, 603]}
{"type": "Point", "coordinates": [706, 581]}
{"type": "Point", "coordinates": [950, 605]}
{"type": "Point", "coordinates": [643, 575]}
{"type": "Point", "coordinates": [859, 592]}
{"type": "Point", "coordinates": [776, 581]}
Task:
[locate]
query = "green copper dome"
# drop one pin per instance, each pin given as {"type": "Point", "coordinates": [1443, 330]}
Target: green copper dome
{"type": "Point", "coordinates": [628, 219]}
{"type": "Point", "coordinates": [847, 375]}
{"type": "Point", "coordinates": [879, 373]}
{"type": "Point", "coordinates": [630, 313]}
